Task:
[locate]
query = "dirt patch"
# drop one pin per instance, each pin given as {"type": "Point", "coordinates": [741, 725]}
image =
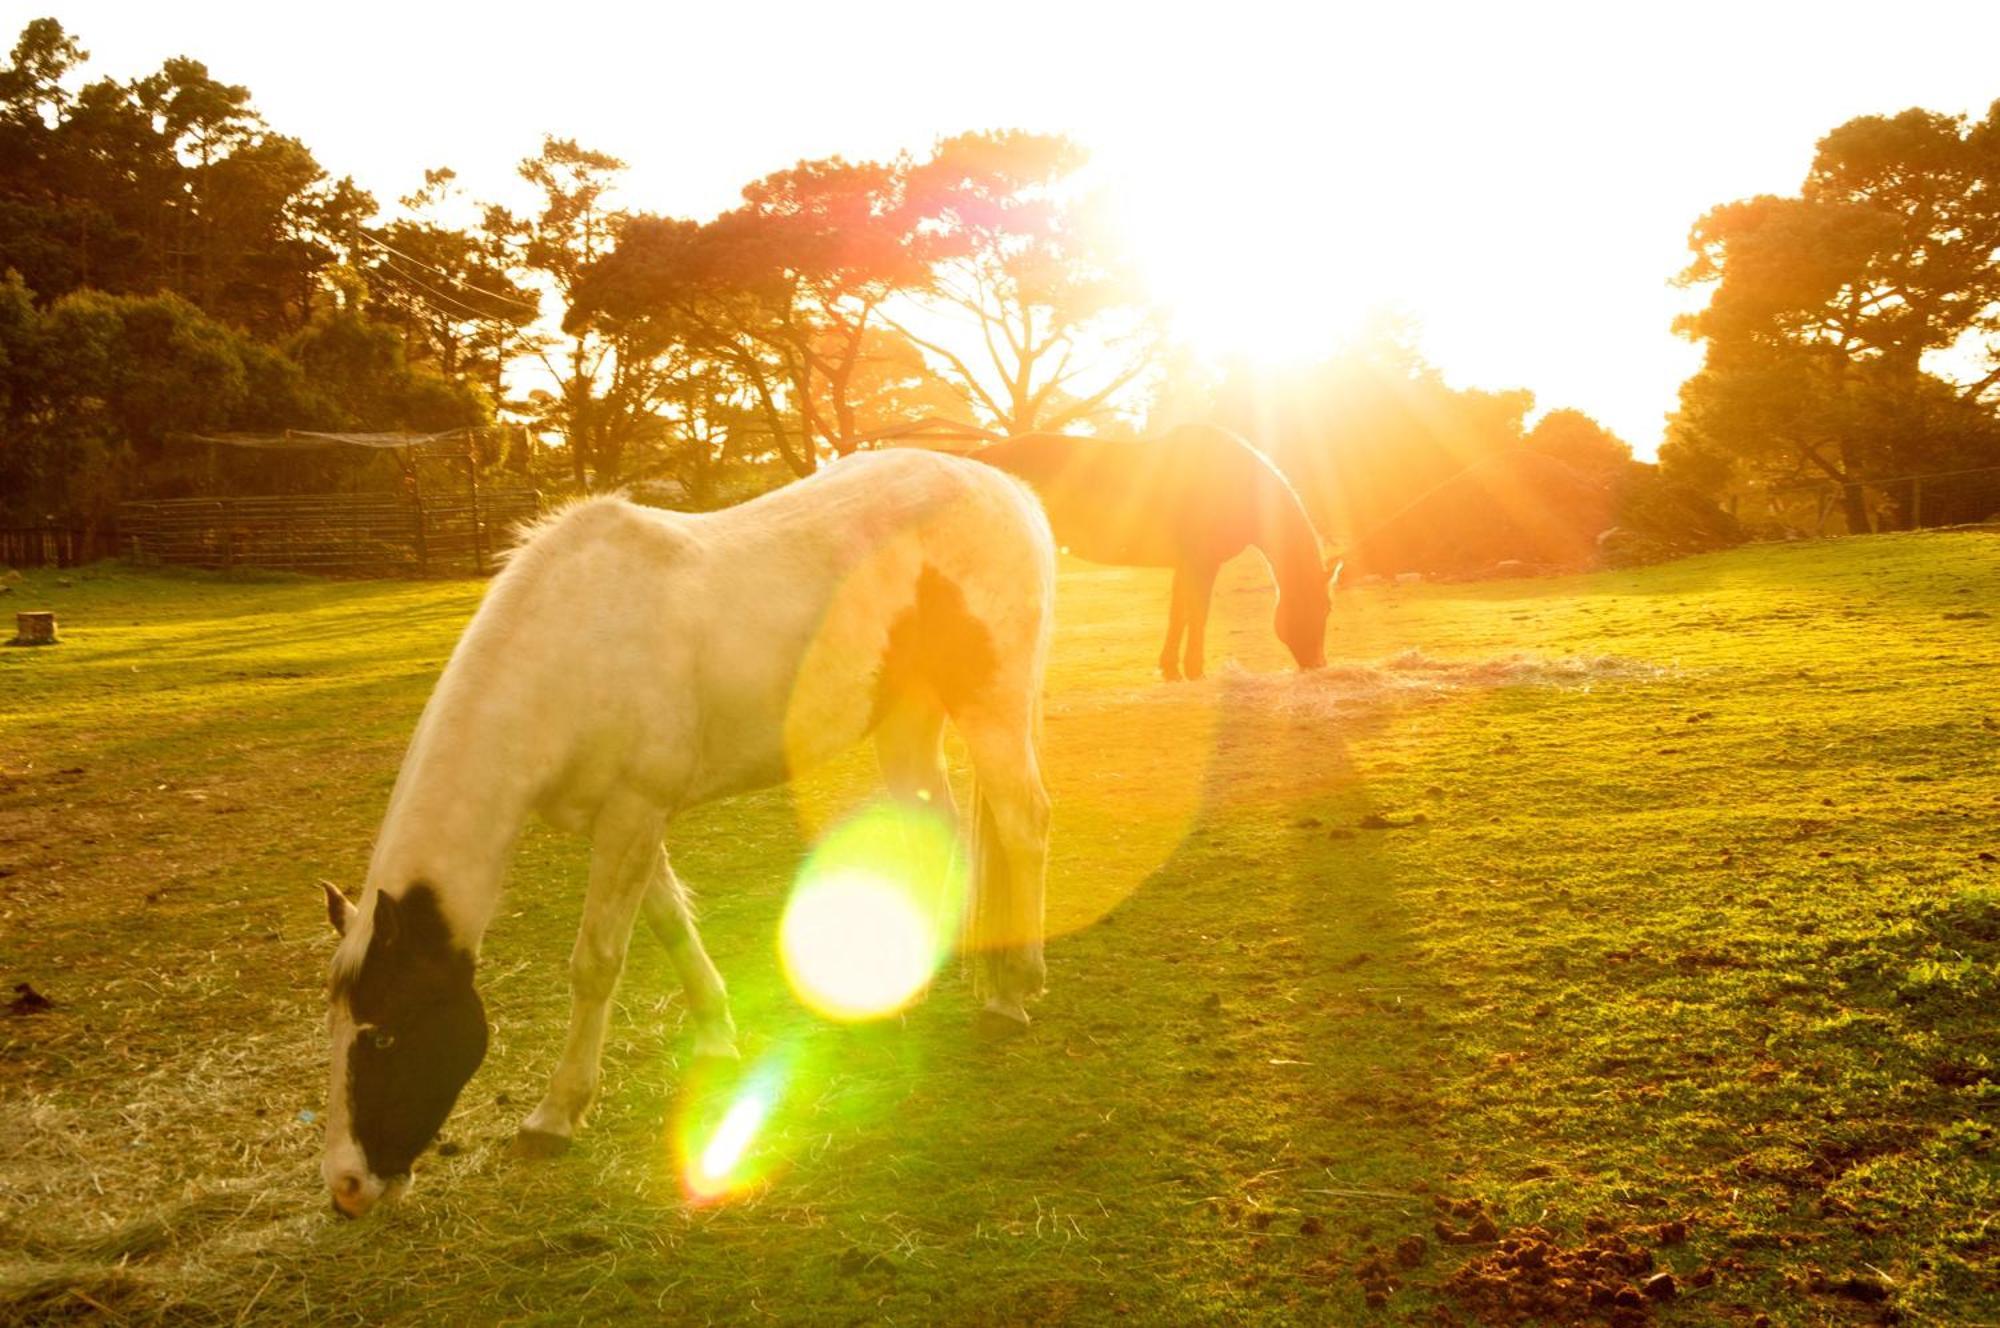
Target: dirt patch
{"type": "Point", "coordinates": [1529, 1275]}
{"type": "Point", "coordinates": [28, 1001]}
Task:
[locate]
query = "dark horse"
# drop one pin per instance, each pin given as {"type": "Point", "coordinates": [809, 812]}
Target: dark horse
{"type": "Point", "coordinates": [1190, 500]}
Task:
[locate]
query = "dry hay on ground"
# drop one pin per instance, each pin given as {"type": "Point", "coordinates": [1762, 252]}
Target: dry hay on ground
{"type": "Point", "coordinates": [1409, 675]}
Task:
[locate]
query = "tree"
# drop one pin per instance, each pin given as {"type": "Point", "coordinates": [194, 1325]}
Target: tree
{"type": "Point", "coordinates": [171, 181]}
{"type": "Point", "coordinates": [1049, 327]}
{"type": "Point", "coordinates": [1829, 311]}
{"type": "Point", "coordinates": [691, 291]}
{"type": "Point", "coordinates": [784, 294]}
{"type": "Point", "coordinates": [356, 374]}
{"type": "Point", "coordinates": [830, 240]}
{"type": "Point", "coordinates": [1572, 437]}
{"type": "Point", "coordinates": [609, 382]}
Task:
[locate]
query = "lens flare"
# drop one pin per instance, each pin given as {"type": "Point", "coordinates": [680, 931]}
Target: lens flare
{"type": "Point", "coordinates": [713, 1169]}
{"type": "Point", "coordinates": [875, 911]}
{"type": "Point", "coordinates": [716, 1161]}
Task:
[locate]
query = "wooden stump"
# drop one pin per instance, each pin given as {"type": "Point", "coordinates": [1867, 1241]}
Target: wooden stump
{"type": "Point", "coordinates": [34, 629]}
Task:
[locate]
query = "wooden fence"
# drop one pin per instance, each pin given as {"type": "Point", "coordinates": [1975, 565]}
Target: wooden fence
{"type": "Point", "coordinates": [49, 546]}
{"type": "Point", "coordinates": [360, 534]}
{"type": "Point", "coordinates": [1906, 502]}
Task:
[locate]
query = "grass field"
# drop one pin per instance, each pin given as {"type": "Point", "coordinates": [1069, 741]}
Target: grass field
{"type": "Point", "coordinates": [1681, 954]}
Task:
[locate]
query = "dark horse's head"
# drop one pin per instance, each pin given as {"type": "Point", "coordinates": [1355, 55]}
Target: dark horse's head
{"type": "Point", "coordinates": [408, 1030]}
{"type": "Point", "coordinates": [1303, 606]}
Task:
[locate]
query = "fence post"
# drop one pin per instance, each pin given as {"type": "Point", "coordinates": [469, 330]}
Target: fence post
{"type": "Point", "coordinates": [423, 542]}
{"type": "Point", "coordinates": [1917, 503]}
{"type": "Point", "coordinates": [478, 530]}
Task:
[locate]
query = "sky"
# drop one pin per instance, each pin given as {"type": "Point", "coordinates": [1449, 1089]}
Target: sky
{"type": "Point", "coordinates": [1516, 180]}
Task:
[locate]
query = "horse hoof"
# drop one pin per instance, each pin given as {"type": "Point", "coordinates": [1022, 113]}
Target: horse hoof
{"type": "Point", "coordinates": [993, 1025]}
{"type": "Point", "coordinates": [719, 1049]}
{"type": "Point", "coordinates": [536, 1145]}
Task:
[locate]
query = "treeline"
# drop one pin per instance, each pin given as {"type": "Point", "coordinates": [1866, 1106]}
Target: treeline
{"type": "Point", "coordinates": [176, 265]}
{"type": "Point", "coordinates": [182, 267]}
{"type": "Point", "coordinates": [171, 264]}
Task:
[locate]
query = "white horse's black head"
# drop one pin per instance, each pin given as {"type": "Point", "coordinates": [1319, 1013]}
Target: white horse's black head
{"type": "Point", "coordinates": [408, 1030]}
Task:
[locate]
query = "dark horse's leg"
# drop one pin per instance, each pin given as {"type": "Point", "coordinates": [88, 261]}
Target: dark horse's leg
{"type": "Point", "coordinates": [1200, 584]}
{"type": "Point", "coordinates": [1170, 654]}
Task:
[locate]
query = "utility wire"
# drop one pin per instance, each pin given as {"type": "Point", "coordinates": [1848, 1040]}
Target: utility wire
{"type": "Point", "coordinates": [457, 281]}
{"type": "Point", "coordinates": [423, 293]}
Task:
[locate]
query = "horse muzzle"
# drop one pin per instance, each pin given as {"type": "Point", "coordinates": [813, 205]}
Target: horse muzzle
{"type": "Point", "coordinates": [355, 1192]}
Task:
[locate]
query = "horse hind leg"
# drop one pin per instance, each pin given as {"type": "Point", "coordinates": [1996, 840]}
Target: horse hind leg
{"type": "Point", "coordinates": [1011, 836]}
{"type": "Point", "coordinates": [909, 744]}
{"type": "Point", "coordinates": [1170, 666]}
{"type": "Point", "coordinates": [622, 840]}
{"type": "Point", "coordinates": [668, 917]}
{"type": "Point", "coordinates": [1200, 596]}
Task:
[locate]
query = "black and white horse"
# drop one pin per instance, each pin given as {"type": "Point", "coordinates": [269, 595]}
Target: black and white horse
{"type": "Point", "coordinates": [631, 663]}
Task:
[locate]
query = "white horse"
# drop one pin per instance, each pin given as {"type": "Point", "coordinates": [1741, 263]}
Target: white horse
{"type": "Point", "coordinates": [630, 663]}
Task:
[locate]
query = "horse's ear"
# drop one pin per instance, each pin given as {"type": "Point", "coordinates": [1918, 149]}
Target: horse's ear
{"type": "Point", "coordinates": [339, 908]}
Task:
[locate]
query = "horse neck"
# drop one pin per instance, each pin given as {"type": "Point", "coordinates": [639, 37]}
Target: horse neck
{"type": "Point", "coordinates": [452, 819]}
{"type": "Point", "coordinates": [1285, 536]}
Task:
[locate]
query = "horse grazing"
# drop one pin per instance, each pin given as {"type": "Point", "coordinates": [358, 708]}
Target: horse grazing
{"type": "Point", "coordinates": [1190, 500]}
{"type": "Point", "coordinates": [629, 663]}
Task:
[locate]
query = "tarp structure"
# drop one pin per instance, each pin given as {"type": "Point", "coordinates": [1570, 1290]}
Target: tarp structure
{"type": "Point", "coordinates": [303, 440]}
{"type": "Point", "coordinates": [940, 435]}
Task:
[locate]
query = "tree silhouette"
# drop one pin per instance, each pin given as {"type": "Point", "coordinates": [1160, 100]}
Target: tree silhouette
{"type": "Point", "coordinates": [1042, 322]}
{"type": "Point", "coordinates": [1825, 308]}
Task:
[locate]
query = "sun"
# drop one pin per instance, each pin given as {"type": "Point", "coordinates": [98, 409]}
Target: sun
{"type": "Point", "coordinates": [1238, 278]}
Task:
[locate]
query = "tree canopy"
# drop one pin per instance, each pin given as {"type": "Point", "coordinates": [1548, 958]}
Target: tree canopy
{"type": "Point", "coordinates": [1852, 331]}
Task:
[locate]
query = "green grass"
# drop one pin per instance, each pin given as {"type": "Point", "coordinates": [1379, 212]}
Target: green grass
{"type": "Point", "coordinates": [1697, 925]}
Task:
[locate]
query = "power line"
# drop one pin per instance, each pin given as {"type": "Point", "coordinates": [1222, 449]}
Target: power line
{"type": "Point", "coordinates": [467, 310]}
{"type": "Point", "coordinates": [458, 281]}
{"type": "Point", "coordinates": [420, 289]}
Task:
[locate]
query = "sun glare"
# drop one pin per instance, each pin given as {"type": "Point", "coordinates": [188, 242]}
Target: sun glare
{"type": "Point", "coordinates": [1237, 280]}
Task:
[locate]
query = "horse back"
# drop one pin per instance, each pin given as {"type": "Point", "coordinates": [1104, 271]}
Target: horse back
{"type": "Point", "coordinates": [942, 596]}
{"type": "Point", "coordinates": [1184, 497]}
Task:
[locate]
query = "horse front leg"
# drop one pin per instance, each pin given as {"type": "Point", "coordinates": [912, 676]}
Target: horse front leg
{"type": "Point", "coordinates": [1170, 667]}
{"type": "Point", "coordinates": [1200, 593]}
{"type": "Point", "coordinates": [624, 839]}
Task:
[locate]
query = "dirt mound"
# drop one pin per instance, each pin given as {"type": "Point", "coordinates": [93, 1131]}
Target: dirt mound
{"type": "Point", "coordinates": [1522, 512]}
{"type": "Point", "coordinates": [1529, 1276]}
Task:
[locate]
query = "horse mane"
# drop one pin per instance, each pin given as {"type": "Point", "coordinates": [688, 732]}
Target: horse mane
{"type": "Point", "coordinates": [1308, 547]}
{"type": "Point", "coordinates": [527, 533]}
